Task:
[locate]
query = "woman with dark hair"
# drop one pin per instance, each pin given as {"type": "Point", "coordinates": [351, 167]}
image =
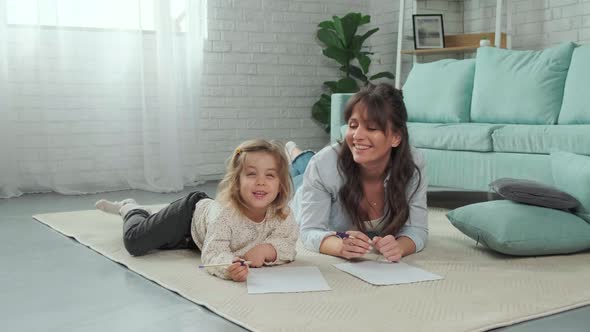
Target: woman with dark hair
{"type": "Point", "coordinates": [368, 191]}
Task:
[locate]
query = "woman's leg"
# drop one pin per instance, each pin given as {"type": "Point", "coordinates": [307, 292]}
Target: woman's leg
{"type": "Point", "coordinates": [299, 163]}
{"type": "Point", "coordinates": [169, 228]}
{"type": "Point", "coordinates": [299, 160]}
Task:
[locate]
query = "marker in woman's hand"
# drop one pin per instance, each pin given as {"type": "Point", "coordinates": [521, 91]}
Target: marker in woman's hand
{"type": "Point", "coordinates": [344, 235]}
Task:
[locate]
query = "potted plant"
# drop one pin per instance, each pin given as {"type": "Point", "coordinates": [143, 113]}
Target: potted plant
{"type": "Point", "coordinates": [343, 45]}
{"type": "Point", "coordinates": [484, 42]}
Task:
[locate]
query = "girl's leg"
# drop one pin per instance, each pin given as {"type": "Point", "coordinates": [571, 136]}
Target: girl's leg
{"type": "Point", "coordinates": [113, 206]}
{"type": "Point", "coordinates": [169, 228]}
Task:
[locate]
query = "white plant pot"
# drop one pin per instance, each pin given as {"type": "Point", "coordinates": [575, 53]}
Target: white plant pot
{"type": "Point", "coordinates": [485, 43]}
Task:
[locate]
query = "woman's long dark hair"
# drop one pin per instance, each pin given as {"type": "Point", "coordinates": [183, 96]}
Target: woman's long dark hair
{"type": "Point", "coordinates": [385, 107]}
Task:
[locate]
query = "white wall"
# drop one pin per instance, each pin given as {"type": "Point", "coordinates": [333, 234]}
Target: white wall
{"type": "Point", "coordinates": [68, 114]}
{"type": "Point", "coordinates": [536, 24]}
{"type": "Point", "coordinates": [263, 72]}
{"type": "Point", "coordinates": [385, 14]}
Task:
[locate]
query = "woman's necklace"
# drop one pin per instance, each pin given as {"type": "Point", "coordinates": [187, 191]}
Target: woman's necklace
{"type": "Point", "coordinates": [375, 191]}
{"type": "Point", "coordinates": [372, 204]}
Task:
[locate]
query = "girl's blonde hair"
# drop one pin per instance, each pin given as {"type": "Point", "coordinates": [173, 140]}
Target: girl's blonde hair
{"type": "Point", "coordinates": [228, 190]}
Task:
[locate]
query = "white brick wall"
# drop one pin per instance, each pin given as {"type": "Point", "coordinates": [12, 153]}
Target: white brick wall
{"type": "Point", "coordinates": [385, 14]}
{"type": "Point", "coordinates": [536, 24]}
{"type": "Point", "coordinates": [263, 72]}
{"type": "Point", "coordinates": [68, 120]}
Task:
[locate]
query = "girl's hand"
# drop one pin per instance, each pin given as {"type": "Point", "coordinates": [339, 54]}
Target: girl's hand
{"type": "Point", "coordinates": [355, 244]}
{"type": "Point", "coordinates": [259, 254]}
{"type": "Point", "coordinates": [389, 247]}
{"type": "Point", "coordinates": [238, 271]}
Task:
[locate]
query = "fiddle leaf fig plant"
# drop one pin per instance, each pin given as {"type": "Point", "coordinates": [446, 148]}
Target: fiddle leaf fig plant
{"type": "Point", "coordinates": [345, 46]}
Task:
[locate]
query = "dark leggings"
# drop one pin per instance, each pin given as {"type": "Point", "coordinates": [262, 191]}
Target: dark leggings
{"type": "Point", "coordinates": [169, 228]}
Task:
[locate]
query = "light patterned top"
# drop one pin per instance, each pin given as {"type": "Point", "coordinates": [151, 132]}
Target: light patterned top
{"type": "Point", "coordinates": [223, 232]}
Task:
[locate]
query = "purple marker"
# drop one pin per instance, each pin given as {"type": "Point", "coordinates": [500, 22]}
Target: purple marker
{"type": "Point", "coordinates": [342, 235]}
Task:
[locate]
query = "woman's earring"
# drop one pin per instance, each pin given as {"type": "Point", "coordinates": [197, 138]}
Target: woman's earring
{"type": "Point", "coordinates": [396, 142]}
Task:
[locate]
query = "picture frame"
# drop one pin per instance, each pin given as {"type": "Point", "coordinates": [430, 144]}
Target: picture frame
{"type": "Point", "coordinates": [429, 31]}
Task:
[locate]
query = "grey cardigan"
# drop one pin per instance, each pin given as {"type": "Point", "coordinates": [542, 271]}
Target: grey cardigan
{"type": "Point", "coordinates": [319, 211]}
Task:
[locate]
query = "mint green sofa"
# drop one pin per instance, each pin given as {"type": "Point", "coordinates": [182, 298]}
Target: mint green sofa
{"type": "Point", "coordinates": [498, 115]}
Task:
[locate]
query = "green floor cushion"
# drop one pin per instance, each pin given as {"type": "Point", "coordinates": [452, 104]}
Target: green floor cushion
{"type": "Point", "coordinates": [575, 108]}
{"type": "Point", "coordinates": [542, 138]}
{"type": "Point", "coordinates": [571, 173]}
{"type": "Point", "coordinates": [452, 136]}
{"type": "Point", "coordinates": [440, 91]}
{"type": "Point", "coordinates": [519, 87]}
{"type": "Point", "coordinates": [522, 230]}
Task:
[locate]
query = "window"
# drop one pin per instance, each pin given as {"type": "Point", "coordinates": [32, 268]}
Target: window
{"type": "Point", "coordinates": [102, 14]}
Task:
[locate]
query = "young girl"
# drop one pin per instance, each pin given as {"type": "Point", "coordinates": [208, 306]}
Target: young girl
{"type": "Point", "coordinates": [249, 221]}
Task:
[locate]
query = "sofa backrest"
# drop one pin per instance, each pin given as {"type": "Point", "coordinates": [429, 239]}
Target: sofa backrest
{"type": "Point", "coordinates": [440, 91]}
{"type": "Point", "coordinates": [575, 108]}
{"type": "Point", "coordinates": [501, 86]}
{"type": "Point", "coordinates": [519, 87]}
{"type": "Point", "coordinates": [339, 101]}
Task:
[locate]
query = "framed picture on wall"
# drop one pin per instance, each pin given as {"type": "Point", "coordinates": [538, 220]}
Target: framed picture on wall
{"type": "Point", "coordinates": [429, 31]}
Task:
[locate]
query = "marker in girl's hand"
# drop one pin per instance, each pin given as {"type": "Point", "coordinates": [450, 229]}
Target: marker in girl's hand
{"type": "Point", "coordinates": [242, 262]}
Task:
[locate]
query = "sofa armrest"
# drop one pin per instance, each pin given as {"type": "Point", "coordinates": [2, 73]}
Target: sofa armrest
{"type": "Point", "coordinates": [337, 114]}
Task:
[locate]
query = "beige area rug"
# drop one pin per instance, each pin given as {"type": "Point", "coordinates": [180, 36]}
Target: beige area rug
{"type": "Point", "coordinates": [481, 290]}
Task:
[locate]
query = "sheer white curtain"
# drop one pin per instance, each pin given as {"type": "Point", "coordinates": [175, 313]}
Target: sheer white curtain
{"type": "Point", "coordinates": [99, 95]}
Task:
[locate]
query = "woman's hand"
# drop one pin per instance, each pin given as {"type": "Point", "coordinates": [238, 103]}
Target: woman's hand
{"type": "Point", "coordinates": [261, 253]}
{"type": "Point", "coordinates": [389, 247]}
{"type": "Point", "coordinates": [355, 244]}
{"type": "Point", "coordinates": [238, 271]}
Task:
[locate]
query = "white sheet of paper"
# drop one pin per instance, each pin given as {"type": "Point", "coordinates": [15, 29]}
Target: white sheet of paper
{"type": "Point", "coordinates": [279, 279]}
{"type": "Point", "coordinates": [386, 273]}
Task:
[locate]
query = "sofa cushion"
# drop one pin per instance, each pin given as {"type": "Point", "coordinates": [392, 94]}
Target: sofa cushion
{"type": "Point", "coordinates": [519, 87]}
{"type": "Point", "coordinates": [440, 91]}
{"type": "Point", "coordinates": [343, 129]}
{"type": "Point", "coordinates": [571, 173]}
{"type": "Point", "coordinates": [542, 138]}
{"type": "Point", "coordinates": [338, 102]}
{"type": "Point", "coordinates": [475, 170]}
{"type": "Point", "coordinates": [520, 229]}
{"type": "Point", "coordinates": [533, 193]}
{"type": "Point", "coordinates": [575, 108]}
{"type": "Point", "coordinates": [458, 136]}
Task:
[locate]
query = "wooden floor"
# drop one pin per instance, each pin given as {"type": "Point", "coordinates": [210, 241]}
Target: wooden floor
{"type": "Point", "coordinates": [52, 283]}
